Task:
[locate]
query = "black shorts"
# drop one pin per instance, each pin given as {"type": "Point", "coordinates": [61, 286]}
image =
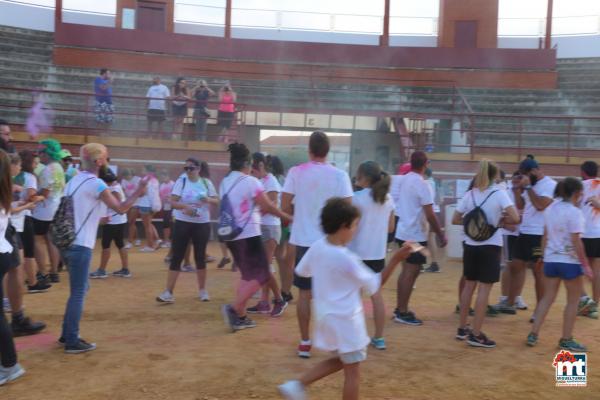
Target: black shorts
{"type": "Point", "coordinates": [528, 248]}
{"type": "Point", "coordinates": [592, 247]}
{"type": "Point", "coordinates": [224, 119]}
{"type": "Point", "coordinates": [27, 238]}
{"type": "Point", "coordinates": [156, 115]}
{"type": "Point", "coordinates": [301, 282]}
{"type": "Point", "coordinates": [179, 111]}
{"type": "Point", "coordinates": [41, 227]}
{"type": "Point", "coordinates": [114, 233]}
{"type": "Point", "coordinates": [415, 258]}
{"type": "Point", "coordinates": [511, 247]}
{"type": "Point", "coordinates": [376, 265]}
{"type": "Point", "coordinates": [482, 263]}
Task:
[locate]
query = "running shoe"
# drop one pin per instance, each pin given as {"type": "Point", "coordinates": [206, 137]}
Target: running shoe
{"type": "Point", "coordinates": [229, 316]}
{"type": "Point", "coordinates": [54, 278]}
{"type": "Point", "coordinates": [584, 306]}
{"type": "Point", "coordinates": [407, 318]}
{"type": "Point", "coordinates": [99, 274]}
{"type": "Point", "coordinates": [287, 297]}
{"type": "Point", "coordinates": [434, 267]}
{"type": "Point", "coordinates": [491, 312]}
{"type": "Point", "coordinates": [204, 295]}
{"type": "Point", "coordinates": [593, 311]}
{"type": "Point", "coordinates": [262, 307]}
{"type": "Point", "coordinates": [122, 273]}
{"type": "Point", "coordinates": [520, 303]}
{"type": "Point", "coordinates": [137, 243]}
{"type": "Point", "coordinates": [571, 344]}
{"type": "Point", "coordinates": [292, 390]}
{"type": "Point", "coordinates": [378, 343]}
{"type": "Point", "coordinates": [532, 339]}
{"type": "Point", "coordinates": [81, 347]}
{"type": "Point", "coordinates": [504, 308]}
{"type": "Point", "coordinates": [188, 268]}
{"type": "Point", "coordinates": [210, 259]}
{"type": "Point", "coordinates": [165, 297]}
{"type": "Point", "coordinates": [9, 374]}
{"type": "Point", "coordinates": [279, 307]}
{"type": "Point", "coordinates": [127, 246]}
{"type": "Point", "coordinates": [243, 323]}
{"type": "Point", "coordinates": [39, 287]}
{"type": "Point", "coordinates": [463, 333]}
{"type": "Point", "coordinates": [147, 249]}
{"type": "Point", "coordinates": [42, 278]}
{"type": "Point", "coordinates": [480, 341]}
{"type": "Point", "coordinates": [165, 245]}
{"type": "Point", "coordinates": [26, 327]}
{"type": "Point", "coordinates": [224, 261]}
{"type": "Point", "coordinates": [304, 350]}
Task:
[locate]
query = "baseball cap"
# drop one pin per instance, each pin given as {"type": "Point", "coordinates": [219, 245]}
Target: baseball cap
{"type": "Point", "coordinates": [528, 164]}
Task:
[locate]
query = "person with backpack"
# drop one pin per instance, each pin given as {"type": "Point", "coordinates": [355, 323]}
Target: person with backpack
{"type": "Point", "coordinates": [243, 198]}
{"type": "Point", "coordinates": [482, 211]}
{"type": "Point", "coordinates": [190, 198]}
{"type": "Point", "coordinates": [74, 233]}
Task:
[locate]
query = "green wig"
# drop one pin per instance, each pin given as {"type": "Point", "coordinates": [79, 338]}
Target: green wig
{"type": "Point", "coordinates": [52, 149]}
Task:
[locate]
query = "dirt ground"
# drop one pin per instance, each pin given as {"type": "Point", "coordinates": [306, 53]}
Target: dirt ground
{"type": "Point", "coordinates": [183, 351]}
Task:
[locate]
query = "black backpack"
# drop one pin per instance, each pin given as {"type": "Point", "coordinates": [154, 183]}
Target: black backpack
{"type": "Point", "coordinates": [476, 224]}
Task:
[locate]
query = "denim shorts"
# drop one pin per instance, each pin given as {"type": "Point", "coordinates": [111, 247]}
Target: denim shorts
{"type": "Point", "coordinates": [564, 271]}
{"type": "Point", "coordinates": [144, 210]}
{"type": "Point", "coordinates": [353, 357]}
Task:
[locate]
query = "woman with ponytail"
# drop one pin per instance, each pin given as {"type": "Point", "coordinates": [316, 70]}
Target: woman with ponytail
{"type": "Point", "coordinates": [481, 257]}
{"type": "Point", "coordinates": [370, 242]}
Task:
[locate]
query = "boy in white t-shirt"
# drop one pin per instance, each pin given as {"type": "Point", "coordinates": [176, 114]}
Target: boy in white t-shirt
{"type": "Point", "coordinates": [339, 275]}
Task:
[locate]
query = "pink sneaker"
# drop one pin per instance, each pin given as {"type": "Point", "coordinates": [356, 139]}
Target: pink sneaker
{"type": "Point", "coordinates": [263, 307]}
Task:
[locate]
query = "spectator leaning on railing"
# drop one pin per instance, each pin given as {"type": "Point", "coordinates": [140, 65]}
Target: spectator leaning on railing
{"type": "Point", "coordinates": [103, 89]}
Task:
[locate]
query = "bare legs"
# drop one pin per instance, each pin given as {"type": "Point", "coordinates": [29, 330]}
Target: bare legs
{"type": "Point", "coordinates": [331, 366]}
{"type": "Point", "coordinates": [551, 286]}
{"type": "Point", "coordinates": [132, 216]}
{"type": "Point", "coordinates": [303, 313]}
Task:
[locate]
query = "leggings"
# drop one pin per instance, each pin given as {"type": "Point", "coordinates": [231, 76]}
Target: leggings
{"type": "Point", "coordinates": [183, 232]}
{"type": "Point", "coordinates": [113, 232]}
{"type": "Point", "coordinates": [27, 238]}
{"type": "Point", "coordinates": [8, 352]}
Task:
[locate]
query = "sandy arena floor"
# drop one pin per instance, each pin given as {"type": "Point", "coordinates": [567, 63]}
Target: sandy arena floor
{"type": "Point", "coordinates": [183, 351]}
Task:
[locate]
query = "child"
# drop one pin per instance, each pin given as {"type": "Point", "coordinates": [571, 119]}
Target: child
{"type": "Point", "coordinates": [339, 276]}
{"type": "Point", "coordinates": [564, 260]}
{"type": "Point", "coordinates": [377, 220]}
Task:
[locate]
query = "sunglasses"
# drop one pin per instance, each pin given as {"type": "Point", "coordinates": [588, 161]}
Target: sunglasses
{"type": "Point", "coordinates": [189, 169]}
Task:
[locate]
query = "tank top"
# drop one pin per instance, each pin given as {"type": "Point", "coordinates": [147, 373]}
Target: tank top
{"type": "Point", "coordinates": [227, 104]}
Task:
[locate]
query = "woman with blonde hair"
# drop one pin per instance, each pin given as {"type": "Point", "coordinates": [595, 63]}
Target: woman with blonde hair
{"type": "Point", "coordinates": [482, 210]}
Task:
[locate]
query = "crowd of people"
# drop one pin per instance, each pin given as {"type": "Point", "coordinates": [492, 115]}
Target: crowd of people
{"type": "Point", "coordinates": [330, 239]}
{"type": "Point", "coordinates": [175, 103]}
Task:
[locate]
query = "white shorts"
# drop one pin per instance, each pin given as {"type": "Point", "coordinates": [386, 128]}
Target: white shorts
{"type": "Point", "coordinates": [353, 357]}
{"type": "Point", "coordinates": [271, 232]}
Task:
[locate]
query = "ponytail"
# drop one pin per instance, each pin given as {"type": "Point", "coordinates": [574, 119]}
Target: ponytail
{"type": "Point", "coordinates": [379, 180]}
{"type": "Point", "coordinates": [488, 170]}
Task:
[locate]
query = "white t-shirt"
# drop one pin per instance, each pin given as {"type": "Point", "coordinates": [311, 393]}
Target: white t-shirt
{"type": "Point", "coordinates": [493, 207]}
{"type": "Point", "coordinates": [312, 184]}
{"type": "Point", "coordinates": [431, 182]}
{"type": "Point", "coordinates": [158, 91]}
{"type": "Point", "coordinates": [511, 196]}
{"type": "Point", "coordinates": [415, 193]}
{"type": "Point", "coordinates": [591, 188]}
{"type": "Point", "coordinates": [395, 189]}
{"type": "Point", "coordinates": [533, 220]}
{"type": "Point", "coordinates": [370, 241]}
{"type": "Point", "coordinates": [338, 277]}
{"type": "Point", "coordinates": [165, 189]}
{"type": "Point", "coordinates": [5, 246]}
{"type": "Point", "coordinates": [86, 201]}
{"type": "Point", "coordinates": [151, 195]}
{"type": "Point", "coordinates": [53, 179]}
{"type": "Point", "coordinates": [562, 219]}
{"type": "Point", "coordinates": [113, 217]}
{"type": "Point", "coordinates": [242, 197]}
{"type": "Point", "coordinates": [18, 219]}
{"type": "Point", "coordinates": [271, 185]}
{"type": "Point", "coordinates": [193, 193]}
{"type": "Point", "coordinates": [130, 186]}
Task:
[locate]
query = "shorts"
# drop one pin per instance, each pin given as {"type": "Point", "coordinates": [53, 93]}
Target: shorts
{"type": "Point", "coordinates": [156, 115]}
{"type": "Point", "coordinates": [482, 263]}
{"type": "Point", "coordinates": [528, 248]}
{"type": "Point", "coordinates": [353, 357]}
{"type": "Point", "coordinates": [13, 259]}
{"type": "Point", "coordinates": [41, 227]}
{"type": "Point", "coordinates": [167, 219]}
{"type": "Point", "coordinates": [112, 233]}
{"type": "Point", "coordinates": [251, 259]}
{"type": "Point", "coordinates": [415, 258]}
{"type": "Point", "coordinates": [27, 238]}
{"type": "Point", "coordinates": [592, 247]}
{"type": "Point", "coordinates": [301, 282]}
{"type": "Point", "coordinates": [224, 119]}
{"type": "Point", "coordinates": [271, 232]}
{"type": "Point", "coordinates": [144, 210]}
{"type": "Point", "coordinates": [179, 111]}
{"type": "Point", "coordinates": [104, 112]}
{"type": "Point", "coordinates": [376, 265]}
{"type": "Point", "coordinates": [564, 271]}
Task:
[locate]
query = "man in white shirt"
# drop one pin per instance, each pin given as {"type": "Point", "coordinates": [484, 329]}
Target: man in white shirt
{"type": "Point", "coordinates": [533, 193]}
{"type": "Point", "coordinates": [591, 236]}
{"type": "Point", "coordinates": [309, 186]}
{"type": "Point", "coordinates": [415, 209]}
{"type": "Point", "coordinates": [156, 106]}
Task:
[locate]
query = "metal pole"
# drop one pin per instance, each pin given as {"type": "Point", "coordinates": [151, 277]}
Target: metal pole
{"type": "Point", "coordinates": [548, 41]}
{"type": "Point", "coordinates": [384, 40]}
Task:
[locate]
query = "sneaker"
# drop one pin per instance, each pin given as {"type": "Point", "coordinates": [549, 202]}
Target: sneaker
{"type": "Point", "coordinates": [81, 347]}
{"type": "Point", "coordinates": [378, 343]}
{"type": "Point", "coordinates": [532, 339]}
{"type": "Point", "coordinates": [503, 308]}
{"type": "Point", "coordinates": [42, 278]}
{"type": "Point", "coordinates": [229, 316]}
{"type": "Point", "coordinates": [99, 274]}
{"type": "Point", "coordinates": [279, 307]}
{"type": "Point", "coordinates": [571, 344]}
{"type": "Point", "coordinates": [165, 297]}
{"type": "Point", "coordinates": [188, 268]}
{"type": "Point", "coordinates": [292, 390]}
{"type": "Point", "coordinates": [39, 287]}
{"type": "Point", "coordinates": [61, 341]}
{"type": "Point", "coordinates": [492, 312]}
{"type": "Point", "coordinates": [122, 273]}
{"type": "Point", "coordinates": [224, 261]}
{"type": "Point", "coordinates": [137, 243]}
{"type": "Point", "coordinates": [584, 306]}
{"type": "Point", "coordinates": [6, 305]}
{"type": "Point", "coordinates": [463, 333]}
{"type": "Point", "coordinates": [204, 295]}
{"type": "Point", "coordinates": [593, 311]}
{"type": "Point", "coordinates": [262, 307]}
{"type": "Point", "coordinates": [9, 374]}
{"type": "Point", "coordinates": [54, 278]}
{"type": "Point", "coordinates": [434, 267]}
{"type": "Point", "coordinates": [304, 350]}
{"type": "Point", "coordinates": [165, 245]}
{"type": "Point", "coordinates": [127, 246]}
{"type": "Point", "coordinates": [520, 304]}
{"type": "Point", "coordinates": [210, 259]}
{"type": "Point", "coordinates": [480, 341]}
{"type": "Point", "coordinates": [147, 249]}
{"type": "Point", "coordinates": [287, 297]}
{"type": "Point", "coordinates": [243, 323]}
{"type": "Point", "coordinates": [26, 327]}
{"type": "Point", "coordinates": [407, 318]}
